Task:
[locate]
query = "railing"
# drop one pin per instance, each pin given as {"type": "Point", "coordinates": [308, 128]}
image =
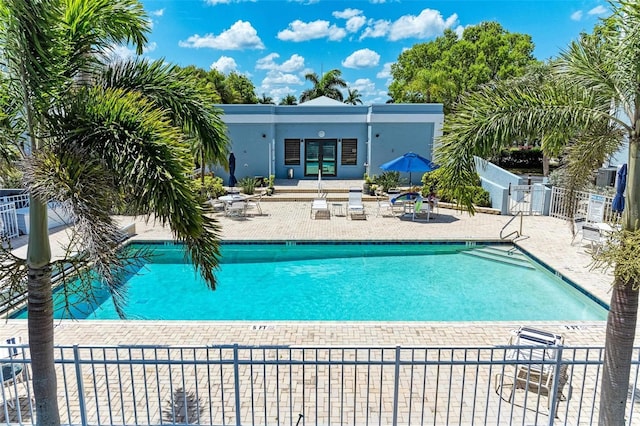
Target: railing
{"type": "Point", "coordinates": [281, 385]}
{"type": "Point", "coordinates": [20, 201]}
{"type": "Point", "coordinates": [561, 206]}
{"type": "Point", "coordinates": [8, 222]}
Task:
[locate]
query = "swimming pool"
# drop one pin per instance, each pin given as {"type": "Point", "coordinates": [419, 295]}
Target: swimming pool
{"type": "Point", "coordinates": [347, 281]}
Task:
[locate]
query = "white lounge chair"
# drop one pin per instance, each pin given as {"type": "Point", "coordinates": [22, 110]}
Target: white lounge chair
{"type": "Point", "coordinates": [355, 208]}
{"type": "Point", "coordinates": [531, 345]}
{"type": "Point", "coordinates": [320, 206]}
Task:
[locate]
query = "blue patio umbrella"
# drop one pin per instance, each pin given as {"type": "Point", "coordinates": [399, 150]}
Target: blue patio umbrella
{"type": "Point", "coordinates": [232, 170]}
{"type": "Point", "coordinates": [409, 162]}
{"type": "Point", "coordinates": [621, 183]}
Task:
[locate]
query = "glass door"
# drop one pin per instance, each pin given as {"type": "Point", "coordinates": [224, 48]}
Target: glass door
{"type": "Point", "coordinates": [320, 154]}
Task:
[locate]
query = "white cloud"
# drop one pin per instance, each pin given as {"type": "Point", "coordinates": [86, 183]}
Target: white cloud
{"type": "Point", "coordinates": [294, 63]}
{"type": "Point", "coordinates": [459, 30]}
{"type": "Point", "coordinates": [363, 58]}
{"type": "Point", "coordinates": [224, 64]}
{"type": "Point", "coordinates": [277, 78]}
{"type": "Point", "coordinates": [598, 10]}
{"type": "Point", "coordinates": [241, 35]}
{"type": "Point", "coordinates": [576, 16]}
{"type": "Point", "coordinates": [303, 31]}
{"type": "Point", "coordinates": [347, 13]}
{"type": "Point", "coordinates": [158, 12]}
{"type": "Point", "coordinates": [428, 24]}
{"type": "Point", "coordinates": [365, 86]}
{"type": "Point", "coordinates": [121, 52]}
{"type": "Point", "coordinates": [216, 2]}
{"type": "Point", "coordinates": [354, 24]}
{"type": "Point", "coordinates": [376, 29]}
{"type": "Point", "coordinates": [386, 71]}
{"type": "Point", "coordinates": [278, 93]}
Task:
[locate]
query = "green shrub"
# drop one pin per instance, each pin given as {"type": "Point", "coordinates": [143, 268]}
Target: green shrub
{"type": "Point", "coordinates": [388, 180]}
{"type": "Point", "coordinates": [248, 185]}
{"type": "Point", "coordinates": [213, 186]}
{"type": "Point", "coordinates": [433, 181]}
{"type": "Point", "coordinates": [520, 158]}
{"type": "Point", "coordinates": [481, 197]}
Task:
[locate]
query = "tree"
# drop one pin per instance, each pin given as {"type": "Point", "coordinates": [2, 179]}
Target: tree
{"type": "Point", "coordinates": [591, 106]}
{"type": "Point", "coordinates": [353, 97]}
{"type": "Point", "coordinates": [289, 100]}
{"type": "Point", "coordinates": [95, 133]}
{"type": "Point", "coordinates": [242, 88]}
{"type": "Point", "coordinates": [444, 69]}
{"type": "Point", "coordinates": [267, 100]}
{"type": "Point", "coordinates": [329, 85]}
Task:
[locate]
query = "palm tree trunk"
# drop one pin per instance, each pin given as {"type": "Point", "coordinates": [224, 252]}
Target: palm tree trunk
{"type": "Point", "coordinates": [40, 311]}
{"type": "Point", "coordinates": [41, 346]}
{"type": "Point", "coordinates": [623, 315]}
{"type": "Point", "coordinates": [621, 328]}
{"type": "Point", "coordinates": [545, 165]}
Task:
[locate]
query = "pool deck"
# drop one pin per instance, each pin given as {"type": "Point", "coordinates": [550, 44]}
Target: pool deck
{"type": "Point", "coordinates": [546, 238]}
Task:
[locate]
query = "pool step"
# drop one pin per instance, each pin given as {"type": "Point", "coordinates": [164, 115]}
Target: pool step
{"type": "Point", "coordinates": [505, 255]}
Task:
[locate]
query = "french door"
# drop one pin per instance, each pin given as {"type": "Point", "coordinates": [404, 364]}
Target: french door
{"type": "Point", "coordinates": [320, 154]}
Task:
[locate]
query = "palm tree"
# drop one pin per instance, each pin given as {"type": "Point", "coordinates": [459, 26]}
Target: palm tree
{"type": "Point", "coordinates": [591, 106]}
{"type": "Point", "coordinates": [289, 100]}
{"type": "Point", "coordinates": [267, 100]}
{"type": "Point", "coordinates": [353, 97]}
{"type": "Point", "coordinates": [329, 85]}
{"type": "Point", "coordinates": [94, 134]}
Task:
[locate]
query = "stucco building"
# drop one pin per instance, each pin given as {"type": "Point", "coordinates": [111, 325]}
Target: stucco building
{"type": "Point", "coordinates": [345, 141]}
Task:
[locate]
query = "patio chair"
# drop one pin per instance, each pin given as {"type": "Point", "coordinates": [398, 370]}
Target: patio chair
{"type": "Point", "coordinates": [12, 370]}
{"type": "Point", "coordinates": [421, 208]}
{"type": "Point", "coordinates": [235, 208]}
{"type": "Point", "coordinates": [384, 206]}
{"type": "Point", "coordinates": [592, 234]}
{"type": "Point", "coordinates": [530, 345]}
{"type": "Point", "coordinates": [355, 208]}
{"type": "Point", "coordinates": [253, 203]}
{"type": "Point", "coordinates": [320, 207]}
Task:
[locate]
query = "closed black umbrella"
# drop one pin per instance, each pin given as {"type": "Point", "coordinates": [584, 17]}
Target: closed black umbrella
{"type": "Point", "coordinates": [618, 201]}
{"type": "Point", "coordinates": [232, 170]}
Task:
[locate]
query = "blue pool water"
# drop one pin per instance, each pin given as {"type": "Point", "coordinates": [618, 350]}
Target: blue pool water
{"type": "Point", "coordinates": [344, 282]}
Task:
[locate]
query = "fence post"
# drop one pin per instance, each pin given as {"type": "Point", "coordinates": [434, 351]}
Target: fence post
{"type": "Point", "coordinates": [396, 386]}
{"type": "Point", "coordinates": [554, 392]}
{"type": "Point", "coordinates": [81, 401]}
{"type": "Point", "coordinates": [236, 379]}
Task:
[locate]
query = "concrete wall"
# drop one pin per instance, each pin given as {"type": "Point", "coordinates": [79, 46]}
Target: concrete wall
{"type": "Point", "coordinates": [391, 140]}
{"type": "Point", "coordinates": [496, 181]}
{"type": "Point", "coordinates": [383, 132]}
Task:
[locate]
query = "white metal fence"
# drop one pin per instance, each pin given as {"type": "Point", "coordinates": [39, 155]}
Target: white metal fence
{"type": "Point", "coordinates": [281, 385]}
{"type": "Point", "coordinates": [561, 206]}
{"type": "Point", "coordinates": [19, 200]}
{"type": "Point", "coordinates": [8, 215]}
{"type": "Point", "coordinates": [8, 222]}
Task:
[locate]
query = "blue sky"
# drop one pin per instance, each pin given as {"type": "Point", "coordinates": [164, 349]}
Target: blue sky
{"type": "Point", "coordinates": [276, 42]}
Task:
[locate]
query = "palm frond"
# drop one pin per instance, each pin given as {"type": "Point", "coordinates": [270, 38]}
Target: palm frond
{"type": "Point", "coordinates": [137, 144]}
{"type": "Point", "coordinates": [500, 114]}
{"type": "Point", "coordinates": [174, 91]}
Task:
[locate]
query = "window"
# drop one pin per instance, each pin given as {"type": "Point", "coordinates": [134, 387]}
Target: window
{"type": "Point", "coordinates": [349, 152]}
{"type": "Point", "coordinates": [292, 152]}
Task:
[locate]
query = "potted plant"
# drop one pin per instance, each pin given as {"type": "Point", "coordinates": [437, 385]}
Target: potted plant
{"type": "Point", "coordinates": [248, 185]}
{"type": "Point", "coordinates": [367, 182]}
{"type": "Point", "coordinates": [270, 185]}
